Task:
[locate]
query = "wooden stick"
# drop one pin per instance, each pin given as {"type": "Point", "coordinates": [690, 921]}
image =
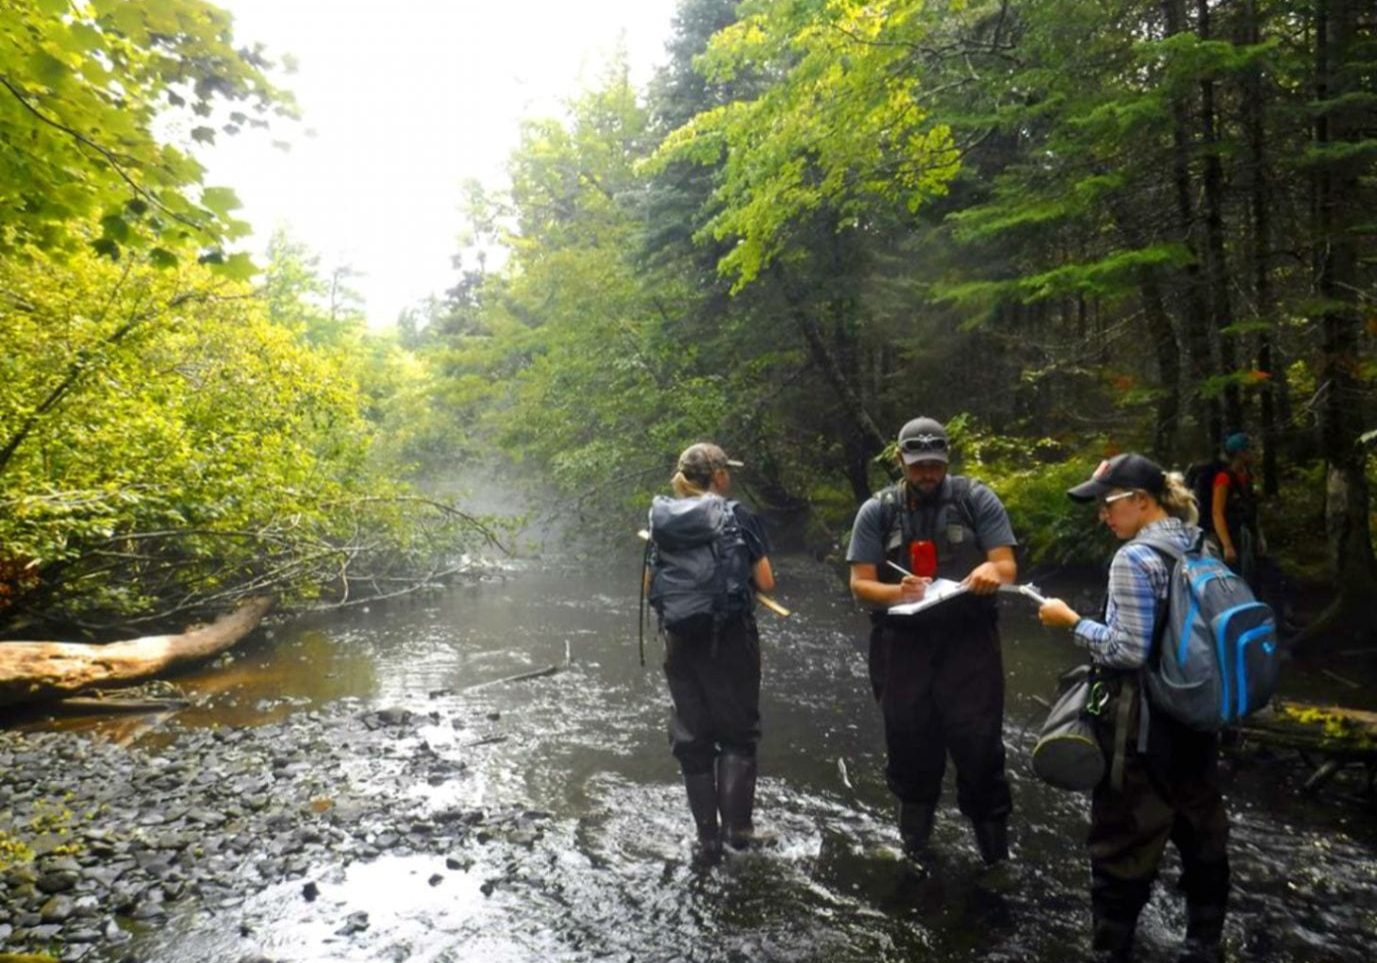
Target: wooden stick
{"type": "Point", "coordinates": [1338, 678]}
{"type": "Point", "coordinates": [89, 705]}
{"type": "Point", "coordinates": [773, 606]}
{"type": "Point", "coordinates": [520, 677]}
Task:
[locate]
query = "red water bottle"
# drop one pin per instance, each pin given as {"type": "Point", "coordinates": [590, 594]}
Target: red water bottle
{"type": "Point", "coordinates": [922, 558]}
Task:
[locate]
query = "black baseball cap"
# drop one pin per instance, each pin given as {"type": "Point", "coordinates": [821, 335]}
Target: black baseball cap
{"type": "Point", "coordinates": [1127, 471]}
{"type": "Point", "coordinates": [923, 439]}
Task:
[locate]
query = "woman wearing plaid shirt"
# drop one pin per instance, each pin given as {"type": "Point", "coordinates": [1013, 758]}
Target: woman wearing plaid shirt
{"type": "Point", "coordinates": [1171, 790]}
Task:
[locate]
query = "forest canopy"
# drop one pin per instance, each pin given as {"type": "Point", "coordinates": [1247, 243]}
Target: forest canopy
{"type": "Point", "coordinates": [1073, 228]}
{"type": "Point", "coordinates": [1066, 228]}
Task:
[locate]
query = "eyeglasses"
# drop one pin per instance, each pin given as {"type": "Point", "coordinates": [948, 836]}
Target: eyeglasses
{"type": "Point", "coordinates": [921, 443]}
{"type": "Point", "coordinates": [1111, 499]}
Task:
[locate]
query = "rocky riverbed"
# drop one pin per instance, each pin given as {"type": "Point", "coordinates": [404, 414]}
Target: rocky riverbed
{"type": "Point", "coordinates": [101, 844]}
{"type": "Point", "coordinates": [420, 783]}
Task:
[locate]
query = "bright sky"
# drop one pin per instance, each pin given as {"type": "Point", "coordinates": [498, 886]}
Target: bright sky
{"type": "Point", "coordinates": [407, 99]}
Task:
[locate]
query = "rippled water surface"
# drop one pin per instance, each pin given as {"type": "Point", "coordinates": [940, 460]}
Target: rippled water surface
{"type": "Point", "coordinates": [611, 877]}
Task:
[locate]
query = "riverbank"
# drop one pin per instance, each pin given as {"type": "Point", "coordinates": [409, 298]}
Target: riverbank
{"type": "Point", "coordinates": [101, 844]}
{"type": "Point", "coordinates": [414, 783]}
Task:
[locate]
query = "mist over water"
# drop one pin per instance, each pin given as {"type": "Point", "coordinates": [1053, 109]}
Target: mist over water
{"type": "Point", "coordinates": [611, 875]}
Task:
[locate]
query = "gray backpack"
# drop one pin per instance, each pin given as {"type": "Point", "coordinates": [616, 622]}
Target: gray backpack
{"type": "Point", "coordinates": [700, 567]}
{"type": "Point", "coordinates": [1215, 657]}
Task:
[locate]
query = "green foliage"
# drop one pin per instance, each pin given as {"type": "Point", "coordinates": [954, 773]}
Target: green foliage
{"type": "Point", "coordinates": [578, 362]}
{"type": "Point", "coordinates": [168, 448]}
{"type": "Point", "coordinates": [1081, 221]}
{"type": "Point", "coordinates": [840, 127]}
{"type": "Point", "coordinates": [13, 851]}
{"type": "Point", "coordinates": [1031, 477]}
{"type": "Point", "coordinates": [84, 88]}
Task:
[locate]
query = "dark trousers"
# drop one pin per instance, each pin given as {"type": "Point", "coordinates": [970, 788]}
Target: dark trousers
{"type": "Point", "coordinates": [940, 686]}
{"type": "Point", "coordinates": [1169, 793]}
{"type": "Point", "coordinates": [714, 685]}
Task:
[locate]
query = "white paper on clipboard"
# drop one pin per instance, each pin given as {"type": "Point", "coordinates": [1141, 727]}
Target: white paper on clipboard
{"type": "Point", "coordinates": [938, 591]}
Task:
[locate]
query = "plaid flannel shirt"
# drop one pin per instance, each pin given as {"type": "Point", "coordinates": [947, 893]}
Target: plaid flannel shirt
{"type": "Point", "coordinates": [1138, 580]}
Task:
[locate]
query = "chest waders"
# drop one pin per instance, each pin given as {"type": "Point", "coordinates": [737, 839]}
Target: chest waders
{"type": "Point", "coordinates": [954, 643]}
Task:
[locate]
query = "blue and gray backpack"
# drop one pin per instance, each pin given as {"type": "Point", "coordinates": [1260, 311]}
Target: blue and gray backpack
{"type": "Point", "coordinates": [700, 566]}
{"type": "Point", "coordinates": [1215, 658]}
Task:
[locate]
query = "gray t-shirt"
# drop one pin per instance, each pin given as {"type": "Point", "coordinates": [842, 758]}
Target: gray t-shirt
{"type": "Point", "coordinates": [992, 528]}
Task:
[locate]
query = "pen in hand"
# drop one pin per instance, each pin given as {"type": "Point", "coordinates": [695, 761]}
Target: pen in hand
{"type": "Point", "coordinates": [923, 582]}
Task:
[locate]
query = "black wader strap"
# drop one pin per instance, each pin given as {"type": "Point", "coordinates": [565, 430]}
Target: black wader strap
{"type": "Point", "coordinates": [1116, 766]}
{"type": "Point", "coordinates": [1143, 719]}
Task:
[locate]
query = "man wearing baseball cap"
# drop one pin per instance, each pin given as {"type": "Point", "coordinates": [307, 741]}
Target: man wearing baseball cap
{"type": "Point", "coordinates": [937, 674]}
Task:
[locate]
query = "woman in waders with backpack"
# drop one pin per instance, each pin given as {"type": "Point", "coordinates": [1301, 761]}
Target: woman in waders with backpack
{"type": "Point", "coordinates": [708, 557]}
{"type": "Point", "coordinates": [1168, 787]}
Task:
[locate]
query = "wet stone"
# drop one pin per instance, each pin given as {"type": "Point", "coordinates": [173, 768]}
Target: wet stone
{"type": "Point", "coordinates": [57, 881]}
{"type": "Point", "coordinates": [148, 911]}
{"type": "Point", "coordinates": [59, 909]}
{"type": "Point", "coordinates": [354, 923]}
{"type": "Point", "coordinates": [525, 837]}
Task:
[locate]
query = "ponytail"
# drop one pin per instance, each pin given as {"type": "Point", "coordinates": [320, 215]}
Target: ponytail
{"type": "Point", "coordinates": [1179, 501]}
{"type": "Point", "coordinates": [686, 488]}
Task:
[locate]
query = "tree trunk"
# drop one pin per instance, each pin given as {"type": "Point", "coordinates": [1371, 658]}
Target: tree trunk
{"type": "Point", "coordinates": [1338, 194]}
{"type": "Point", "coordinates": [1197, 314]}
{"type": "Point", "coordinates": [1259, 199]}
{"type": "Point", "coordinates": [862, 438]}
{"type": "Point", "coordinates": [1166, 349]}
{"type": "Point", "coordinates": [37, 671]}
{"type": "Point", "coordinates": [1216, 259]}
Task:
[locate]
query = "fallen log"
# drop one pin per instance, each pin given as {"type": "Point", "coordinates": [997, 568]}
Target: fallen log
{"type": "Point", "coordinates": [40, 671]}
{"type": "Point", "coordinates": [1333, 730]}
{"type": "Point", "coordinates": [1329, 739]}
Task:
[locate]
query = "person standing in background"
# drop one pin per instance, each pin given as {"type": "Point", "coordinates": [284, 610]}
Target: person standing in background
{"type": "Point", "coordinates": [1233, 509]}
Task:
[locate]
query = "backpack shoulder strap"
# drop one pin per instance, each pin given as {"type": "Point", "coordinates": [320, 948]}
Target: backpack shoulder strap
{"type": "Point", "coordinates": [892, 508]}
{"type": "Point", "coordinates": [1170, 553]}
{"type": "Point", "coordinates": [963, 497]}
{"type": "Point", "coordinates": [1168, 548]}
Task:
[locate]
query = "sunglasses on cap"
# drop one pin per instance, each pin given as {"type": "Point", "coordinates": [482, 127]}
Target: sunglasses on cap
{"type": "Point", "coordinates": [1108, 500]}
{"type": "Point", "coordinates": [921, 443]}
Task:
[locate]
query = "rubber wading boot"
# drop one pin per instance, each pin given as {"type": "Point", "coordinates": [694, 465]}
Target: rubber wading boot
{"type": "Point", "coordinates": [1000, 874]}
{"type": "Point", "coordinates": [915, 829]}
{"type": "Point", "coordinates": [736, 798]}
{"type": "Point", "coordinates": [1204, 933]}
{"type": "Point", "coordinates": [992, 839]}
{"type": "Point", "coordinates": [1112, 941]}
{"type": "Point", "coordinates": [702, 797]}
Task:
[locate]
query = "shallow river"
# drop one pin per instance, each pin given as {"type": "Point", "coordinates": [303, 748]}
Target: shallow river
{"type": "Point", "coordinates": [611, 876]}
